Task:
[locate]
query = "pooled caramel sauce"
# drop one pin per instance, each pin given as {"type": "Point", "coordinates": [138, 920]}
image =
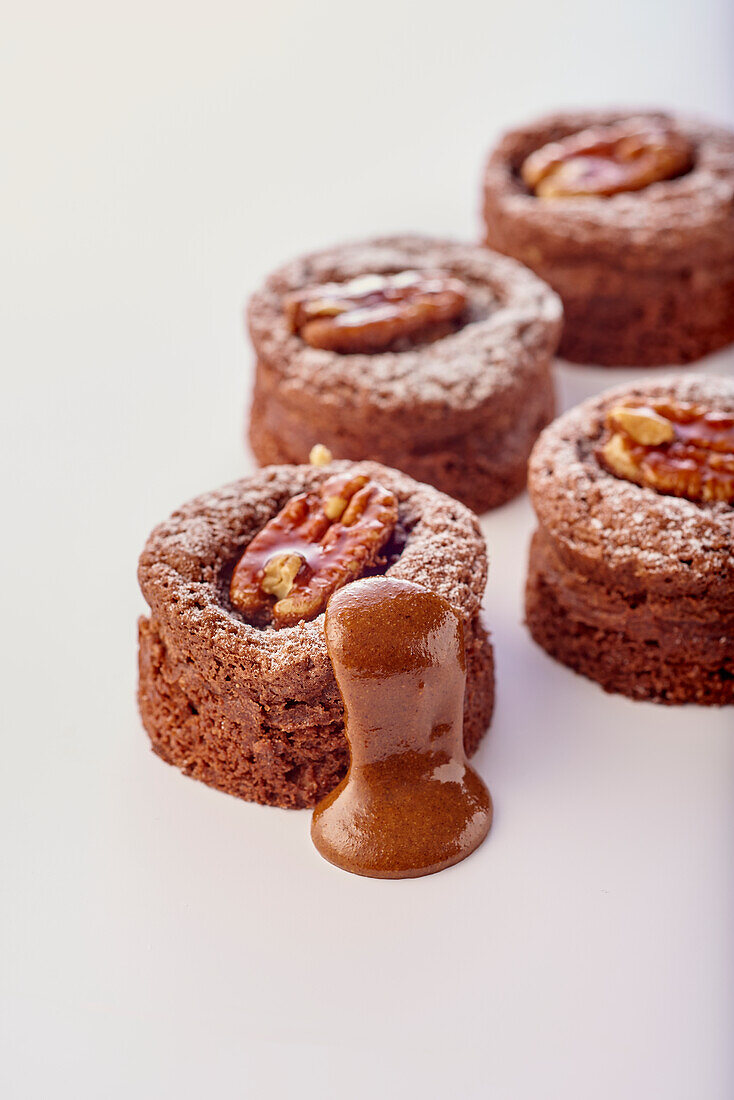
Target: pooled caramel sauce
{"type": "Point", "coordinates": [409, 804]}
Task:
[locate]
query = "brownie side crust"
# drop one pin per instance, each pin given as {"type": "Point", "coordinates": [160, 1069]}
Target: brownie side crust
{"type": "Point", "coordinates": [293, 760]}
{"type": "Point", "coordinates": [623, 644]}
{"type": "Point", "coordinates": [481, 469]}
{"type": "Point", "coordinates": [630, 587]}
{"type": "Point", "coordinates": [646, 278]}
{"type": "Point", "coordinates": [257, 712]}
{"type": "Point", "coordinates": [461, 413]}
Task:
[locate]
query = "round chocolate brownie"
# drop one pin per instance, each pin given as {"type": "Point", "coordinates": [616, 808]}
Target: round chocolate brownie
{"type": "Point", "coordinates": [430, 356]}
{"type": "Point", "coordinates": [630, 218]}
{"type": "Point", "coordinates": [254, 710]}
{"type": "Point", "coordinates": [631, 575]}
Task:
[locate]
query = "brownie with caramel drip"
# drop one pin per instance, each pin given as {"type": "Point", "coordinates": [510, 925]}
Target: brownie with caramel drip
{"type": "Point", "coordinates": [250, 705]}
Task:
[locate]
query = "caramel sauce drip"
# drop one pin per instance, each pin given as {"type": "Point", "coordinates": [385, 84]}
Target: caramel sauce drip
{"type": "Point", "coordinates": [409, 804]}
{"type": "Point", "coordinates": [315, 544]}
{"type": "Point", "coordinates": [607, 160]}
{"type": "Point", "coordinates": [680, 449]}
{"type": "Point", "coordinates": [373, 312]}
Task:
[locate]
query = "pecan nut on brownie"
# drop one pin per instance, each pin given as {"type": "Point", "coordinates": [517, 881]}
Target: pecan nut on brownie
{"type": "Point", "coordinates": [236, 687]}
{"type": "Point", "coordinates": [630, 218]}
{"type": "Point", "coordinates": [429, 356]}
{"type": "Point", "coordinates": [631, 575]}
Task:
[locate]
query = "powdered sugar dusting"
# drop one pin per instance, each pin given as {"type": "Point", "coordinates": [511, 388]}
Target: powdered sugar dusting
{"type": "Point", "coordinates": [630, 528]}
{"type": "Point", "coordinates": [694, 209]}
{"type": "Point", "coordinates": [184, 569]}
{"type": "Point", "coordinates": [515, 325]}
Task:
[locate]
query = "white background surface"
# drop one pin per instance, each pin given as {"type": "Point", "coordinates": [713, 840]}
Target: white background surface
{"type": "Point", "coordinates": [159, 939]}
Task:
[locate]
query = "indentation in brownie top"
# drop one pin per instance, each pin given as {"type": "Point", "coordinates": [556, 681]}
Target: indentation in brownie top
{"type": "Point", "coordinates": [675, 447]}
{"type": "Point", "coordinates": [318, 542]}
{"type": "Point", "coordinates": [379, 312]}
{"type": "Point", "coordinates": [605, 160]}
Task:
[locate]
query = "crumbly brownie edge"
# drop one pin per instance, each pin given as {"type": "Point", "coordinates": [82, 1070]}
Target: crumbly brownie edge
{"type": "Point", "coordinates": [237, 747]}
{"type": "Point", "coordinates": [681, 319]}
{"type": "Point", "coordinates": [483, 468]}
{"type": "Point", "coordinates": [640, 668]}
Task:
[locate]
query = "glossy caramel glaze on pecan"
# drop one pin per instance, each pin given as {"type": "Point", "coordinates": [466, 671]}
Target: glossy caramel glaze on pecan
{"type": "Point", "coordinates": [372, 312]}
{"type": "Point", "coordinates": [316, 544]}
{"type": "Point", "coordinates": [606, 160]}
{"type": "Point", "coordinates": [680, 449]}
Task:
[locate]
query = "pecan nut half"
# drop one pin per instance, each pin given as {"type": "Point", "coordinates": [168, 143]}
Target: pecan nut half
{"type": "Point", "coordinates": [680, 449]}
{"type": "Point", "coordinates": [315, 544]}
{"type": "Point", "coordinates": [606, 160]}
{"type": "Point", "coordinates": [372, 312]}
